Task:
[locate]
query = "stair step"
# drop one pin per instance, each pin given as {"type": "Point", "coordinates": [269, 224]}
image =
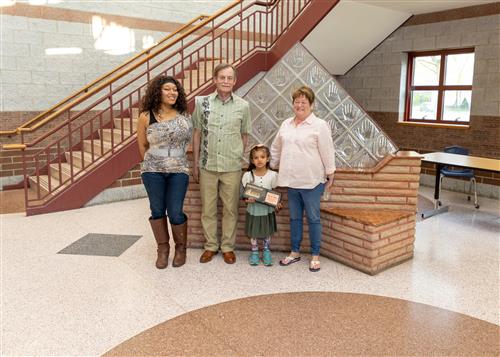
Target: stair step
{"type": "Point", "coordinates": [65, 171]}
{"type": "Point", "coordinates": [187, 86]}
{"type": "Point", "coordinates": [203, 66]}
{"type": "Point", "coordinates": [44, 186]}
{"type": "Point", "coordinates": [78, 160]}
{"type": "Point", "coordinates": [126, 122]}
{"type": "Point", "coordinates": [87, 146]}
{"type": "Point", "coordinates": [194, 73]}
{"type": "Point", "coordinates": [106, 134]}
{"type": "Point", "coordinates": [209, 62]}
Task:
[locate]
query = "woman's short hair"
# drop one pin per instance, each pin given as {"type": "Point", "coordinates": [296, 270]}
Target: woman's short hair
{"type": "Point", "coordinates": [152, 99]}
{"type": "Point", "coordinates": [304, 91]}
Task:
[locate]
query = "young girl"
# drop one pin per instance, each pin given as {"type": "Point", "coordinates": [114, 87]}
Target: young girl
{"type": "Point", "coordinates": [260, 219]}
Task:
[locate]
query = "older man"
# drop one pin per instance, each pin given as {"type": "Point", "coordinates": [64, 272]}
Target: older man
{"type": "Point", "coordinates": [221, 127]}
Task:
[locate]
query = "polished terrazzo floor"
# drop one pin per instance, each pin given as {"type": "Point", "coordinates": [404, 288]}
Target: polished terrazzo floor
{"type": "Point", "coordinates": [73, 304]}
{"type": "Point", "coordinates": [316, 324]}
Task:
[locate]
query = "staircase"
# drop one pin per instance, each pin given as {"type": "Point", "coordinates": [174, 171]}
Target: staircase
{"type": "Point", "coordinates": [76, 163]}
{"type": "Point", "coordinates": [94, 142]}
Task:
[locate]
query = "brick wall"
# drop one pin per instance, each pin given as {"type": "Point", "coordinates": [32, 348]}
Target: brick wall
{"type": "Point", "coordinates": [11, 162]}
{"type": "Point", "coordinates": [367, 247]}
{"type": "Point", "coordinates": [392, 184]}
{"type": "Point", "coordinates": [481, 138]}
{"type": "Point", "coordinates": [132, 177]}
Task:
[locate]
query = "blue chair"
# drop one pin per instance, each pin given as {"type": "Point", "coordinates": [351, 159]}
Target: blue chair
{"type": "Point", "coordinates": [447, 171]}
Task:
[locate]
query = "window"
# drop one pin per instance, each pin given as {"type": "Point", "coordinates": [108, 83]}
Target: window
{"type": "Point", "coordinates": [439, 86]}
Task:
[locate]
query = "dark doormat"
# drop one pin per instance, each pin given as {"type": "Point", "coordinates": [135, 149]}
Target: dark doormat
{"type": "Point", "coordinates": [109, 245]}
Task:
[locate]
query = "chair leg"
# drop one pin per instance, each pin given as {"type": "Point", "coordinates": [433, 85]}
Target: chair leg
{"type": "Point", "coordinates": [475, 192]}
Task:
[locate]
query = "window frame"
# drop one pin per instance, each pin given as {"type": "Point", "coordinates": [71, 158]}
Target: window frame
{"type": "Point", "coordinates": [440, 88]}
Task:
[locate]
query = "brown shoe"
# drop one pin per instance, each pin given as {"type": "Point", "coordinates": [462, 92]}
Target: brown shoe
{"type": "Point", "coordinates": [207, 256]}
{"type": "Point", "coordinates": [229, 257]}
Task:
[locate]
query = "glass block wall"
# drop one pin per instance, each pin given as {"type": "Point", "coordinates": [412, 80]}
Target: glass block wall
{"type": "Point", "coordinates": [359, 142]}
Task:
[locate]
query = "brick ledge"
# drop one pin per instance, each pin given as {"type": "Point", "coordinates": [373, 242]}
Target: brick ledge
{"type": "Point", "coordinates": [369, 217]}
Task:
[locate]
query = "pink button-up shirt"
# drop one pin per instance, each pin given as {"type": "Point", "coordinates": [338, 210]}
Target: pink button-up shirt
{"type": "Point", "coordinates": [304, 153]}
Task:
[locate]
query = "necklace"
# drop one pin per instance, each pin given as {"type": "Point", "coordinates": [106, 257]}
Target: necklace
{"type": "Point", "coordinates": [165, 116]}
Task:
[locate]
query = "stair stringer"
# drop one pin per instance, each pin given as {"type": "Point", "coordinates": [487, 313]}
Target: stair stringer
{"type": "Point", "coordinates": [88, 186]}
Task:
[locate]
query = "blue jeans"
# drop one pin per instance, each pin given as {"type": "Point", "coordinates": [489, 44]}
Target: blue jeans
{"type": "Point", "coordinates": [166, 192]}
{"type": "Point", "coordinates": [308, 200]}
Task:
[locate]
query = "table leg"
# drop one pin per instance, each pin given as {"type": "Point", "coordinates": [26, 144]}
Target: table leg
{"type": "Point", "coordinates": [437, 182]}
{"type": "Point", "coordinates": [437, 209]}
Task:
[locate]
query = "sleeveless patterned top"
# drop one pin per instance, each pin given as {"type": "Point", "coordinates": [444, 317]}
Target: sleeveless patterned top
{"type": "Point", "coordinates": [168, 141]}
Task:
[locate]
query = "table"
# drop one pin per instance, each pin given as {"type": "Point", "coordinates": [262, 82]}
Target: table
{"type": "Point", "coordinates": [442, 158]}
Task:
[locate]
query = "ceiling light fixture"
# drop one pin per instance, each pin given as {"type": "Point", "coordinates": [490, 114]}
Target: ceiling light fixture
{"type": "Point", "coordinates": [63, 51]}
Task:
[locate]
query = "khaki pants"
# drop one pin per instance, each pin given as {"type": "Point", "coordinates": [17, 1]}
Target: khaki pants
{"type": "Point", "coordinates": [225, 185]}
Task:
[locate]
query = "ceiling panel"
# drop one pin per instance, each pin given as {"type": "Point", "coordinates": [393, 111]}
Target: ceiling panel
{"type": "Point", "coordinates": [350, 31]}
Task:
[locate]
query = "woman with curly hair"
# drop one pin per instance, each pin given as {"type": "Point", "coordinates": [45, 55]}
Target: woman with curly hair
{"type": "Point", "coordinates": [164, 132]}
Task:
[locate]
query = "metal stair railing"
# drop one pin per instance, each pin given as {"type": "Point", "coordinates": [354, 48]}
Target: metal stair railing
{"type": "Point", "coordinates": [103, 114]}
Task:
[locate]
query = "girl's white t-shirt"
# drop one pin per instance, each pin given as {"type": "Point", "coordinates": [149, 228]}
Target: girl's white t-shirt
{"type": "Point", "coordinates": [268, 181]}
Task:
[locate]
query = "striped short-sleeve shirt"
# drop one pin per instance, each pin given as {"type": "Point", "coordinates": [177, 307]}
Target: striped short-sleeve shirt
{"type": "Point", "coordinates": [221, 125]}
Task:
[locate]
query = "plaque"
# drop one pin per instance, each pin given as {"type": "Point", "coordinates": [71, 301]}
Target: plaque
{"type": "Point", "coordinates": [262, 195]}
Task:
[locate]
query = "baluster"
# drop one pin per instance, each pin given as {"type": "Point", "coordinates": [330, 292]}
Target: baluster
{"type": "Point", "coordinates": [80, 131]}
{"type": "Point", "coordinates": [49, 178]}
{"type": "Point", "coordinates": [70, 148]}
{"type": "Point", "coordinates": [37, 174]}
{"type": "Point", "coordinates": [59, 165]}
{"type": "Point", "coordinates": [111, 117]}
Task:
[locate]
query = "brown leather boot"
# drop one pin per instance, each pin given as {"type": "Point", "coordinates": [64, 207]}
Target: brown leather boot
{"type": "Point", "coordinates": [160, 231]}
{"type": "Point", "coordinates": [179, 231]}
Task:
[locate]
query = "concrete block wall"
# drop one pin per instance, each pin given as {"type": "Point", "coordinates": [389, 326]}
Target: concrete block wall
{"type": "Point", "coordinates": [378, 84]}
{"type": "Point", "coordinates": [51, 78]}
{"type": "Point", "coordinates": [375, 82]}
{"type": "Point", "coordinates": [180, 10]}
{"type": "Point", "coordinates": [28, 30]}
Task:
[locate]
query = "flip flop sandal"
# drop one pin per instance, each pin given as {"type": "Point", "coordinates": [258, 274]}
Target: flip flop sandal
{"type": "Point", "coordinates": [314, 266]}
{"type": "Point", "coordinates": [289, 260]}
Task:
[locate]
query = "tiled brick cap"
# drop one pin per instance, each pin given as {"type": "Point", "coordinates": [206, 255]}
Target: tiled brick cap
{"type": "Point", "coordinates": [367, 240]}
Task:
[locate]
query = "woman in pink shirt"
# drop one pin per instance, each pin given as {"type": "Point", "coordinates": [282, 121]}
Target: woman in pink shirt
{"type": "Point", "coordinates": [303, 151]}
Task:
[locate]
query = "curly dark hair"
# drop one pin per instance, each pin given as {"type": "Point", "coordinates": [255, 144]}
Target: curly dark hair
{"type": "Point", "coordinates": [255, 148]}
{"type": "Point", "coordinates": [152, 99]}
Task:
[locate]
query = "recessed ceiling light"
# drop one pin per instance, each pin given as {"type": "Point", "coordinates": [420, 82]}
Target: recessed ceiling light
{"type": "Point", "coordinates": [63, 51]}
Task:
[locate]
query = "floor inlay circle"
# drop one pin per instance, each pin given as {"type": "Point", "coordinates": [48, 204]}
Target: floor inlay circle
{"type": "Point", "coordinates": [316, 324]}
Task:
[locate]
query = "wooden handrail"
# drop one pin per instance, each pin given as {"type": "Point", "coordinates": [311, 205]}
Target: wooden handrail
{"type": "Point", "coordinates": [14, 146]}
{"type": "Point", "coordinates": [89, 92]}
